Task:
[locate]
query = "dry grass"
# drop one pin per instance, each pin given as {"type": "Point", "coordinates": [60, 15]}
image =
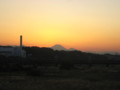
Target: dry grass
{"type": "Point", "coordinates": [83, 79]}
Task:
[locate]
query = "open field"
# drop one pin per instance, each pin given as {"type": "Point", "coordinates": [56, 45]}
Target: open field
{"type": "Point", "coordinates": [92, 78]}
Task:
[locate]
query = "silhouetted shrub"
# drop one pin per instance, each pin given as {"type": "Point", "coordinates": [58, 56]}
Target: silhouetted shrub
{"type": "Point", "coordinates": [67, 66]}
{"type": "Point", "coordinates": [34, 72]}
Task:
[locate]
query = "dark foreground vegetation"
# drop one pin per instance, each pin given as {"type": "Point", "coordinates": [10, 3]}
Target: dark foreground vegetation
{"type": "Point", "coordinates": [46, 69]}
{"type": "Point", "coordinates": [93, 78]}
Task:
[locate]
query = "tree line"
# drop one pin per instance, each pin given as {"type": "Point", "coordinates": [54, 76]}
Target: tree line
{"type": "Point", "coordinates": [37, 56]}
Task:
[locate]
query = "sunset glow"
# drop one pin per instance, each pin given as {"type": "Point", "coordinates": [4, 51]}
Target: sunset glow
{"type": "Point", "coordinates": [87, 25]}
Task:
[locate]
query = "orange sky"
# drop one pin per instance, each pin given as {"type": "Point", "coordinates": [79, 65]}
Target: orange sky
{"type": "Point", "coordinates": [87, 25]}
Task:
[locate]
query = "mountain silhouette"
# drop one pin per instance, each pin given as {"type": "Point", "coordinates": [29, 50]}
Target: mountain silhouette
{"type": "Point", "coordinates": [72, 49]}
{"type": "Point", "coordinates": [60, 48]}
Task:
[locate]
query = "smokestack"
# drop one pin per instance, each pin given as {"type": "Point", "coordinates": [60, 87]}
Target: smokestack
{"type": "Point", "coordinates": [21, 45]}
{"type": "Point", "coordinates": [21, 42]}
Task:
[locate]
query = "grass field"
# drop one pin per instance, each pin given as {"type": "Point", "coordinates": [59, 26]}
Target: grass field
{"type": "Point", "coordinates": [84, 78]}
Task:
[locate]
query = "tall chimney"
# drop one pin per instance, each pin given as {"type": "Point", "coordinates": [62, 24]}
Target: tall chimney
{"type": "Point", "coordinates": [21, 42]}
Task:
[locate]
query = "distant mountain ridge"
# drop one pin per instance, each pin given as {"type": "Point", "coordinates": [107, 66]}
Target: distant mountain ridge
{"type": "Point", "coordinates": [60, 48]}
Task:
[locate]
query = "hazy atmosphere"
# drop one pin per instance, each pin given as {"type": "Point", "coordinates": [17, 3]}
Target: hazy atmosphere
{"type": "Point", "coordinates": [59, 44]}
{"type": "Point", "coordinates": [87, 25]}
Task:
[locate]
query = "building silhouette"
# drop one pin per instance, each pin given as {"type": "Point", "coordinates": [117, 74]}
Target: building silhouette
{"type": "Point", "coordinates": [13, 51]}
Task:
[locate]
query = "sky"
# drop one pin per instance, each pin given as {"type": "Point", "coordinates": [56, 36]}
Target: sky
{"type": "Point", "coordinates": [86, 25]}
